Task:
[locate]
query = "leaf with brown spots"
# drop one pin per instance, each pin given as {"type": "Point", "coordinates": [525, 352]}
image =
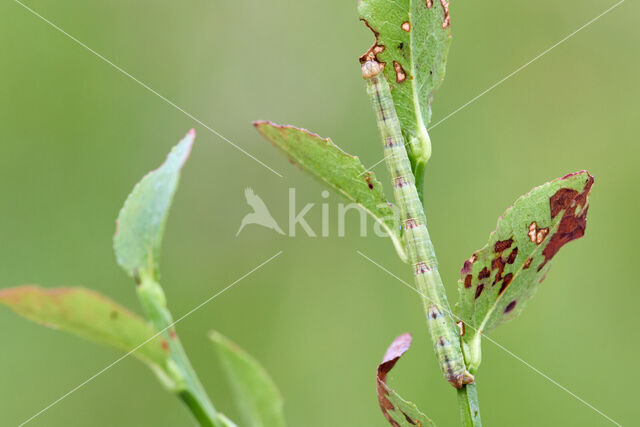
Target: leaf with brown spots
{"type": "Point", "coordinates": [88, 314]}
{"type": "Point", "coordinates": [412, 41]}
{"type": "Point", "coordinates": [499, 279]}
{"type": "Point", "coordinates": [396, 410]}
{"type": "Point", "coordinates": [341, 171]}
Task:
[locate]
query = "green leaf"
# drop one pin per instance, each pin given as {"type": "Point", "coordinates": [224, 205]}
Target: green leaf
{"type": "Point", "coordinates": [341, 171]}
{"type": "Point", "coordinates": [257, 397]}
{"type": "Point", "coordinates": [399, 412]}
{"type": "Point", "coordinates": [499, 279]}
{"type": "Point", "coordinates": [412, 41]}
{"type": "Point", "coordinates": [88, 314]}
{"type": "Point", "coordinates": [141, 221]}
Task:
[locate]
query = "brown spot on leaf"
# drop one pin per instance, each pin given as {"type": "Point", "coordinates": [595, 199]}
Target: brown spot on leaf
{"type": "Point", "coordinates": [479, 290]}
{"type": "Point", "coordinates": [375, 50]}
{"type": "Point", "coordinates": [498, 264]}
{"type": "Point", "coordinates": [501, 245]}
{"type": "Point", "coordinates": [563, 199]}
{"type": "Point", "coordinates": [537, 235]}
{"type": "Point", "coordinates": [512, 256]}
{"type": "Point", "coordinates": [572, 224]}
{"type": "Point", "coordinates": [369, 184]}
{"type": "Point", "coordinates": [441, 342]}
{"type": "Point", "coordinates": [461, 327]}
{"type": "Point", "coordinates": [466, 267]}
{"type": "Point", "coordinates": [484, 273]}
{"type": "Point", "coordinates": [533, 230]}
{"type": "Point", "coordinates": [467, 281]}
{"type": "Point", "coordinates": [505, 283]}
{"type": "Point", "coordinates": [165, 345]}
{"type": "Point", "coordinates": [114, 314]}
{"type": "Point", "coordinates": [447, 19]}
{"type": "Point", "coordinates": [172, 334]}
{"type": "Point", "coordinates": [542, 233]}
{"type": "Point", "coordinates": [527, 263]}
{"type": "Point", "coordinates": [399, 346]}
{"type": "Point", "coordinates": [406, 26]}
{"type": "Point", "coordinates": [510, 306]}
{"type": "Point", "coordinates": [401, 76]}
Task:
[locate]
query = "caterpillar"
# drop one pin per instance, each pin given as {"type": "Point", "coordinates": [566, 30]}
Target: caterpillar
{"type": "Point", "coordinates": [442, 327]}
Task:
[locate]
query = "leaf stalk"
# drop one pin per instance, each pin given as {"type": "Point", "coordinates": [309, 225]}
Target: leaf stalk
{"type": "Point", "coordinates": [187, 384]}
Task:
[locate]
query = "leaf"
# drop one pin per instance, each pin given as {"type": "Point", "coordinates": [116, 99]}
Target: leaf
{"type": "Point", "coordinates": [396, 410]}
{"type": "Point", "coordinates": [341, 171]}
{"type": "Point", "coordinates": [412, 41]}
{"type": "Point", "coordinates": [141, 221]}
{"type": "Point", "coordinates": [256, 395]}
{"type": "Point", "coordinates": [499, 279]}
{"type": "Point", "coordinates": [87, 314]}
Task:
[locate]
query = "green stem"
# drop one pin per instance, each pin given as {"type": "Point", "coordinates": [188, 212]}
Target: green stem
{"type": "Point", "coordinates": [195, 406]}
{"type": "Point", "coordinates": [187, 384]}
{"type": "Point", "coordinates": [469, 406]}
{"type": "Point", "coordinates": [419, 177]}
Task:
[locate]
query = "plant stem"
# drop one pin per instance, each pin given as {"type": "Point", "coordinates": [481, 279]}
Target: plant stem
{"type": "Point", "coordinates": [193, 403]}
{"type": "Point", "coordinates": [187, 384]}
{"type": "Point", "coordinates": [469, 406]}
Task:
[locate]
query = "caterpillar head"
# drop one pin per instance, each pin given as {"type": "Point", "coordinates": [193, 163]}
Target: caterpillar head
{"type": "Point", "coordinates": [371, 69]}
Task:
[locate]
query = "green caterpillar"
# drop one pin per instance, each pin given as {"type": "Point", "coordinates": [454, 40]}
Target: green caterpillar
{"type": "Point", "coordinates": [442, 327]}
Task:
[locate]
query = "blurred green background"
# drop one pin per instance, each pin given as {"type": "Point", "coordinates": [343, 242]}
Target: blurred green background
{"type": "Point", "coordinates": [77, 134]}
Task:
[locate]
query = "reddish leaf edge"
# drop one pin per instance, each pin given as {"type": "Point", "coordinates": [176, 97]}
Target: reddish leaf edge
{"type": "Point", "coordinates": [395, 351]}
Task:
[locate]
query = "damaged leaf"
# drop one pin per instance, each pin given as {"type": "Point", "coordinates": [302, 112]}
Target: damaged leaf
{"type": "Point", "coordinates": [141, 221]}
{"type": "Point", "coordinates": [412, 42]}
{"type": "Point", "coordinates": [399, 412]}
{"type": "Point", "coordinates": [88, 314]}
{"type": "Point", "coordinates": [257, 397]}
{"type": "Point", "coordinates": [499, 279]}
{"type": "Point", "coordinates": [341, 171]}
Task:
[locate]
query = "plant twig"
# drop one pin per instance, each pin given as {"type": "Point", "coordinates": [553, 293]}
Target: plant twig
{"type": "Point", "coordinates": [187, 384]}
{"type": "Point", "coordinates": [469, 406]}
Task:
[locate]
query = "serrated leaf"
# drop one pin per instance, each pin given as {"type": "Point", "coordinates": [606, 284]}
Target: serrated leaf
{"type": "Point", "coordinates": [412, 40]}
{"type": "Point", "coordinates": [141, 221]}
{"type": "Point", "coordinates": [87, 314]}
{"type": "Point", "coordinates": [499, 279]}
{"type": "Point", "coordinates": [341, 171]}
{"type": "Point", "coordinates": [257, 397]}
{"type": "Point", "coordinates": [399, 412]}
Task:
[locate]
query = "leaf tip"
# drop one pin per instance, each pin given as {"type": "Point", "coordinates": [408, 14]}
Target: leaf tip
{"type": "Point", "coordinates": [398, 347]}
